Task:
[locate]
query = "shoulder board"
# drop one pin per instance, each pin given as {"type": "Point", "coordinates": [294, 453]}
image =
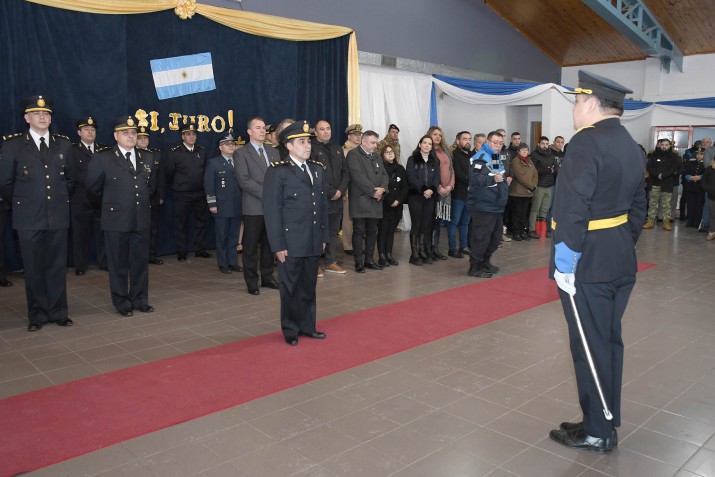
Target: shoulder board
{"type": "Point", "coordinates": [282, 163]}
{"type": "Point", "coordinates": [103, 148]}
{"type": "Point", "coordinates": [196, 146]}
{"type": "Point", "coordinates": [154, 149]}
{"type": "Point", "coordinates": [317, 163]}
{"type": "Point", "coordinates": [11, 136]}
{"type": "Point", "coordinates": [585, 127]}
{"type": "Point", "coordinates": [100, 146]}
{"type": "Point", "coordinates": [176, 148]}
{"type": "Point", "coordinates": [60, 136]}
{"type": "Point", "coordinates": [144, 149]}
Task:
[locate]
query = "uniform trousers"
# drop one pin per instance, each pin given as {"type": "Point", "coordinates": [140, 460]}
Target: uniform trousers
{"type": "Point", "coordinates": [44, 257]}
{"type": "Point", "coordinates": [386, 227]}
{"type": "Point", "coordinates": [155, 218]}
{"type": "Point", "coordinates": [254, 235]}
{"type": "Point", "coordinates": [193, 203]}
{"type": "Point", "coordinates": [333, 229]}
{"type": "Point", "coordinates": [85, 221]}
{"type": "Point", "coordinates": [695, 199]}
{"type": "Point", "coordinates": [366, 227]}
{"type": "Point", "coordinates": [227, 240]}
{"type": "Point", "coordinates": [128, 260]}
{"type": "Point", "coordinates": [297, 291]}
{"type": "Point", "coordinates": [600, 307]}
{"type": "Point", "coordinates": [659, 198]}
{"type": "Point", "coordinates": [3, 222]}
{"type": "Point", "coordinates": [487, 230]}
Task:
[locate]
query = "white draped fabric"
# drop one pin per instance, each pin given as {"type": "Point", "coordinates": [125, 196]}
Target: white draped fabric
{"type": "Point", "coordinates": [480, 98]}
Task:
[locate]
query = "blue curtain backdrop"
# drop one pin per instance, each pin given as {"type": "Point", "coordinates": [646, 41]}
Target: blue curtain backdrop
{"type": "Point", "coordinates": [98, 65]}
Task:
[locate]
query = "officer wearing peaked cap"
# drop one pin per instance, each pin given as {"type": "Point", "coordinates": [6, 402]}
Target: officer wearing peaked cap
{"type": "Point", "coordinates": [158, 196]}
{"type": "Point", "coordinates": [223, 195]}
{"type": "Point", "coordinates": [36, 177]}
{"type": "Point", "coordinates": [598, 213]}
{"type": "Point", "coordinates": [122, 180]}
{"type": "Point", "coordinates": [295, 208]}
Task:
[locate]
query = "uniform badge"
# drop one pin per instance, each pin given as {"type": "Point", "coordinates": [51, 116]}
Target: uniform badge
{"type": "Point", "coordinates": [62, 156]}
{"type": "Point", "coordinates": [90, 121]}
{"type": "Point", "coordinates": [306, 127]}
{"type": "Point", "coordinates": [41, 102]}
{"type": "Point", "coordinates": [25, 172]}
{"type": "Point", "coordinates": [147, 169]}
{"type": "Point", "coordinates": [130, 122]}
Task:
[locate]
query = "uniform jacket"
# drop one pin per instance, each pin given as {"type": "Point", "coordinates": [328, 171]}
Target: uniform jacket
{"type": "Point", "coordinates": [602, 177]}
{"type": "Point", "coordinates": [524, 178]}
{"type": "Point", "coordinates": [39, 193]}
{"type": "Point", "coordinates": [222, 190]}
{"type": "Point", "coordinates": [81, 157]}
{"type": "Point", "coordinates": [336, 172]}
{"type": "Point", "coordinates": [461, 173]}
{"type": "Point", "coordinates": [708, 182]}
{"type": "Point", "coordinates": [366, 173]}
{"type": "Point", "coordinates": [158, 169]}
{"type": "Point", "coordinates": [397, 185]}
{"type": "Point", "coordinates": [485, 194]}
{"type": "Point", "coordinates": [692, 167]}
{"type": "Point", "coordinates": [124, 195]}
{"type": "Point", "coordinates": [184, 169]}
{"type": "Point", "coordinates": [415, 171]}
{"type": "Point", "coordinates": [250, 170]}
{"type": "Point", "coordinates": [296, 211]}
{"type": "Point", "coordinates": [666, 164]}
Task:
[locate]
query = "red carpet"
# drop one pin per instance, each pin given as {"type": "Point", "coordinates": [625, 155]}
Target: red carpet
{"type": "Point", "coordinates": [57, 423]}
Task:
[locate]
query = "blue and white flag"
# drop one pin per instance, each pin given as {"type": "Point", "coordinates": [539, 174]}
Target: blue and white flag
{"type": "Point", "coordinates": [183, 75]}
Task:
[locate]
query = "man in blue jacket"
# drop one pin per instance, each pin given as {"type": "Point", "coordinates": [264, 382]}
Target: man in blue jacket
{"type": "Point", "coordinates": [486, 199]}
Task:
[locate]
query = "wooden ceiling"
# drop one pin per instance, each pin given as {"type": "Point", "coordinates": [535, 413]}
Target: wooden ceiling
{"type": "Point", "coordinates": [572, 34]}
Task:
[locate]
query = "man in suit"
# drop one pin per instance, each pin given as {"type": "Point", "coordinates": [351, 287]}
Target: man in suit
{"type": "Point", "coordinates": [157, 197]}
{"type": "Point", "coordinates": [296, 215]}
{"type": "Point", "coordinates": [36, 177]}
{"type": "Point", "coordinates": [85, 217]}
{"type": "Point", "coordinates": [368, 183]}
{"type": "Point", "coordinates": [251, 162]}
{"type": "Point", "coordinates": [121, 179]}
{"type": "Point", "coordinates": [184, 168]}
{"type": "Point", "coordinates": [224, 198]}
{"type": "Point", "coordinates": [598, 214]}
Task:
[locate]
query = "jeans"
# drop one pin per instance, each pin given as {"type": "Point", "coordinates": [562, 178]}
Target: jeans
{"type": "Point", "coordinates": [459, 220]}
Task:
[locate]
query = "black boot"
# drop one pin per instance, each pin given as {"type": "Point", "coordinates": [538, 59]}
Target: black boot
{"type": "Point", "coordinates": [415, 247]}
{"type": "Point", "coordinates": [476, 270]}
{"type": "Point", "coordinates": [436, 254]}
{"type": "Point", "coordinates": [487, 265]}
{"type": "Point", "coordinates": [424, 250]}
{"type": "Point", "coordinates": [391, 260]}
{"type": "Point", "coordinates": [382, 261]}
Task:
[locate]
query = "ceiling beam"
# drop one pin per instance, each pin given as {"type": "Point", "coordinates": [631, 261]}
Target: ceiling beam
{"type": "Point", "coordinates": [633, 19]}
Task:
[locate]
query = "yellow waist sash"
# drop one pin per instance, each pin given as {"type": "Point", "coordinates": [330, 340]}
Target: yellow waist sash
{"type": "Point", "coordinates": [601, 223]}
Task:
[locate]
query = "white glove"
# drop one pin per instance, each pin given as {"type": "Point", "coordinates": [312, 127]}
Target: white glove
{"type": "Point", "coordinates": [566, 281]}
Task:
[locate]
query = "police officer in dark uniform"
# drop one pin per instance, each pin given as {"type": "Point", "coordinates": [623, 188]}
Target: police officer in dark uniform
{"type": "Point", "coordinates": [295, 208]}
{"type": "Point", "coordinates": [85, 216]}
{"type": "Point", "coordinates": [121, 178]}
{"type": "Point", "coordinates": [184, 171]}
{"type": "Point", "coordinates": [157, 197]}
{"type": "Point", "coordinates": [598, 214]}
{"type": "Point", "coordinates": [223, 195]}
{"type": "Point", "coordinates": [4, 209]}
{"type": "Point", "coordinates": [36, 177]}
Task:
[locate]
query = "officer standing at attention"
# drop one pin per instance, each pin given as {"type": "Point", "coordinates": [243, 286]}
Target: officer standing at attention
{"type": "Point", "coordinates": [157, 197]}
{"type": "Point", "coordinates": [85, 217]}
{"type": "Point", "coordinates": [224, 198]}
{"type": "Point", "coordinates": [36, 177]}
{"type": "Point", "coordinates": [184, 170]}
{"type": "Point", "coordinates": [122, 180]}
{"type": "Point", "coordinates": [295, 208]}
{"type": "Point", "coordinates": [598, 214]}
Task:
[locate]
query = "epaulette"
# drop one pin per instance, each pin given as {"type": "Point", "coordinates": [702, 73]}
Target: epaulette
{"type": "Point", "coordinates": [282, 163]}
{"type": "Point", "coordinates": [60, 136]}
{"type": "Point", "coordinates": [154, 149]}
{"type": "Point", "coordinates": [196, 146]}
{"type": "Point", "coordinates": [317, 163]}
{"type": "Point", "coordinates": [144, 149]}
{"type": "Point", "coordinates": [11, 136]}
{"type": "Point", "coordinates": [103, 148]}
{"type": "Point", "coordinates": [176, 148]}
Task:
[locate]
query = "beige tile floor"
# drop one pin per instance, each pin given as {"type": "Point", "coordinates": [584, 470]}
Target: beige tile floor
{"type": "Point", "coordinates": [478, 403]}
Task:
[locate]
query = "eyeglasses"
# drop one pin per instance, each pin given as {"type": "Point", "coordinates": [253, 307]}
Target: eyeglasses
{"type": "Point", "coordinates": [389, 152]}
{"type": "Point", "coordinates": [496, 143]}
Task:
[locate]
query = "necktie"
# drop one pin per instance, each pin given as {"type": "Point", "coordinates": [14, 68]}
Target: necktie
{"type": "Point", "coordinates": [230, 161]}
{"type": "Point", "coordinates": [263, 156]}
{"type": "Point", "coordinates": [44, 150]}
{"type": "Point", "coordinates": [129, 160]}
{"type": "Point", "coordinates": [89, 148]}
{"type": "Point", "coordinates": [305, 169]}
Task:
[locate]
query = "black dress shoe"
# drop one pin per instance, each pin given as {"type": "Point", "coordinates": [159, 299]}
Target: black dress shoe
{"type": "Point", "coordinates": [254, 291]}
{"type": "Point", "coordinates": [34, 327]}
{"type": "Point", "coordinates": [146, 308]}
{"type": "Point", "coordinates": [79, 272]}
{"type": "Point", "coordinates": [391, 260]}
{"type": "Point", "coordinates": [292, 340]}
{"type": "Point", "coordinates": [104, 269]}
{"type": "Point", "coordinates": [372, 266]}
{"type": "Point", "coordinates": [580, 440]}
{"type": "Point", "coordinates": [348, 252]}
{"type": "Point", "coordinates": [156, 261]}
{"type": "Point", "coordinates": [490, 268]}
{"type": "Point", "coordinates": [455, 253]}
{"type": "Point", "coordinates": [270, 284]}
{"type": "Point", "coordinates": [65, 322]}
{"type": "Point", "coordinates": [225, 270]}
{"type": "Point", "coordinates": [203, 254]}
{"type": "Point", "coordinates": [181, 257]}
{"type": "Point", "coordinates": [318, 335]}
{"type": "Point", "coordinates": [236, 268]}
{"type": "Point", "coordinates": [359, 269]}
{"type": "Point", "coordinates": [577, 426]}
{"type": "Point", "coordinates": [126, 313]}
{"type": "Point", "coordinates": [478, 272]}
{"type": "Point", "coordinates": [4, 282]}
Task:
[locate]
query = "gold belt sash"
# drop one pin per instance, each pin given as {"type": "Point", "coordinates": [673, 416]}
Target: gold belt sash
{"type": "Point", "coordinates": [601, 223]}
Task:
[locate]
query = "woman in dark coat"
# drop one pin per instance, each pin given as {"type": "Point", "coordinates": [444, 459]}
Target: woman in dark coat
{"type": "Point", "coordinates": [708, 185]}
{"type": "Point", "coordinates": [693, 170]}
{"type": "Point", "coordinates": [423, 179]}
{"type": "Point", "coordinates": [395, 197]}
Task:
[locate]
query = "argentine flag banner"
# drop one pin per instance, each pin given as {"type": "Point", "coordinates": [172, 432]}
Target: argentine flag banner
{"type": "Point", "coordinates": [183, 75]}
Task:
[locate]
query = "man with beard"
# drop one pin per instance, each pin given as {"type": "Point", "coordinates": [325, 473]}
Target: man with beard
{"type": "Point", "coordinates": [391, 139]}
{"type": "Point", "coordinates": [547, 169]}
{"type": "Point", "coordinates": [663, 168]}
